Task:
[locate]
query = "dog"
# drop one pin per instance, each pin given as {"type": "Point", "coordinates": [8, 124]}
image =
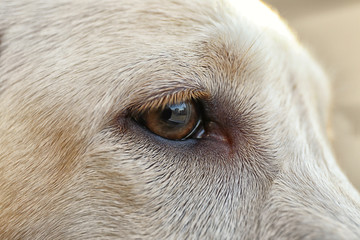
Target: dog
{"type": "Point", "coordinates": [177, 119]}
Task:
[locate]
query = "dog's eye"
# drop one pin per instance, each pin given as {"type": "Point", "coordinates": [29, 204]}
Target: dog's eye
{"type": "Point", "coordinates": [175, 121]}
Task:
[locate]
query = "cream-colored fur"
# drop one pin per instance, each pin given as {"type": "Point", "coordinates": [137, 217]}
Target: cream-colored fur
{"type": "Point", "coordinates": [74, 165]}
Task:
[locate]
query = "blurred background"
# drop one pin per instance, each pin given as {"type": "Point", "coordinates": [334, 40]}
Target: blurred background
{"type": "Point", "coordinates": [331, 30]}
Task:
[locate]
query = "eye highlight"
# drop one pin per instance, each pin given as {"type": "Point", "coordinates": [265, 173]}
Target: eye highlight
{"type": "Point", "coordinates": [179, 121]}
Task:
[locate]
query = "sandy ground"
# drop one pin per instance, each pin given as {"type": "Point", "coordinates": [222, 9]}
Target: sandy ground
{"type": "Point", "coordinates": [331, 29]}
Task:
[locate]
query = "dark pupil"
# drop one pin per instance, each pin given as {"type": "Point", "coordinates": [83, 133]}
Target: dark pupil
{"type": "Point", "coordinates": [175, 114]}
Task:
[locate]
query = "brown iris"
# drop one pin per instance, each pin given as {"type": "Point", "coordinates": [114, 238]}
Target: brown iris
{"type": "Point", "coordinates": [175, 121]}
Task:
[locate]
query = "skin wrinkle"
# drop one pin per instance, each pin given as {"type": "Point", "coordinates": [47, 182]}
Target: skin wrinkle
{"type": "Point", "coordinates": [74, 165]}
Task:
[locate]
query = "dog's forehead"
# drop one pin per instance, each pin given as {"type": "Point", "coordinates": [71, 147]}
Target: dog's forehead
{"type": "Point", "coordinates": [187, 43]}
{"type": "Point", "coordinates": [98, 57]}
{"type": "Point", "coordinates": [212, 45]}
{"type": "Point", "coordinates": [181, 17]}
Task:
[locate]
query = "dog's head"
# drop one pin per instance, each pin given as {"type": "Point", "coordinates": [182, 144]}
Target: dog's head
{"type": "Point", "coordinates": [164, 119]}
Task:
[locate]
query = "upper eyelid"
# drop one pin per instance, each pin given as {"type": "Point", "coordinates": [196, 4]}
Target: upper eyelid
{"type": "Point", "coordinates": [161, 99]}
